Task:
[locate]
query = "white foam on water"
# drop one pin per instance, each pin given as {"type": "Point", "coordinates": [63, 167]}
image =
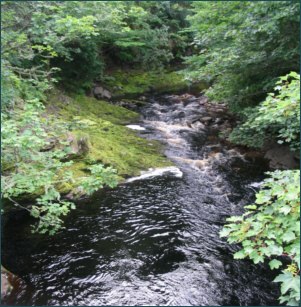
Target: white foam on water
{"type": "Point", "coordinates": [135, 127]}
{"type": "Point", "coordinates": [154, 172]}
{"type": "Point", "coordinates": [168, 128]}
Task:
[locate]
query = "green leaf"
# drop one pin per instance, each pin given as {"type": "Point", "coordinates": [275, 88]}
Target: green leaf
{"type": "Point", "coordinates": [288, 281]}
{"type": "Point", "coordinates": [233, 219]}
{"type": "Point", "coordinates": [293, 302]}
{"type": "Point", "coordinates": [256, 256]}
{"type": "Point", "coordinates": [225, 232]}
{"type": "Point", "coordinates": [288, 236]}
{"type": "Point", "coordinates": [284, 277]}
{"type": "Point", "coordinates": [285, 209]}
{"type": "Point", "coordinates": [239, 255]}
{"type": "Point", "coordinates": [274, 264]}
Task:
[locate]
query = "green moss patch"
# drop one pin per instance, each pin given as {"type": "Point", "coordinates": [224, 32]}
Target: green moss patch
{"type": "Point", "coordinates": [109, 141]}
{"type": "Point", "coordinates": [137, 82]}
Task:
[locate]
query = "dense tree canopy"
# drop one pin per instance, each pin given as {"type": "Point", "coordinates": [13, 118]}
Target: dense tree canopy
{"type": "Point", "coordinates": [81, 38]}
{"type": "Point", "coordinates": [244, 47]}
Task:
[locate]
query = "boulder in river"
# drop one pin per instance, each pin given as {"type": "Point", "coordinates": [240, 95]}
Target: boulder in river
{"type": "Point", "coordinates": [206, 120]}
{"type": "Point", "coordinates": [142, 98]}
{"type": "Point", "coordinates": [5, 285]}
{"type": "Point", "coordinates": [100, 92]}
{"type": "Point", "coordinates": [178, 114]}
{"type": "Point", "coordinates": [195, 118]}
{"type": "Point", "coordinates": [10, 284]}
{"type": "Point", "coordinates": [198, 126]}
{"type": "Point", "coordinates": [203, 100]}
{"type": "Point", "coordinates": [218, 121]}
{"type": "Point", "coordinates": [281, 158]}
{"type": "Point", "coordinates": [188, 124]}
{"type": "Point", "coordinates": [106, 94]}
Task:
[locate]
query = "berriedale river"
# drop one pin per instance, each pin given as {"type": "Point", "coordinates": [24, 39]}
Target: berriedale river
{"type": "Point", "coordinates": [153, 240]}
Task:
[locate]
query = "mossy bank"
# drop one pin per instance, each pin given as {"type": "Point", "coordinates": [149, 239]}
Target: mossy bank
{"type": "Point", "coordinates": [138, 82]}
{"type": "Point", "coordinates": [123, 83]}
{"type": "Point", "coordinates": [105, 139]}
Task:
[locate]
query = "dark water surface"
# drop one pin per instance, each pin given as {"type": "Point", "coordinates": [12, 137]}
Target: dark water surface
{"type": "Point", "coordinates": [152, 241]}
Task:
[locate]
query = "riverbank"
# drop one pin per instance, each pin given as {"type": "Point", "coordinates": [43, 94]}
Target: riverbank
{"type": "Point", "coordinates": [106, 139]}
{"type": "Point", "coordinates": [279, 156]}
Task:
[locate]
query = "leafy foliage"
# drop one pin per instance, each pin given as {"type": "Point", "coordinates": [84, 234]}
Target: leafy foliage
{"type": "Point", "coordinates": [29, 168]}
{"type": "Point", "coordinates": [100, 176]}
{"type": "Point", "coordinates": [80, 38]}
{"type": "Point", "coordinates": [272, 230]}
{"type": "Point", "coordinates": [9, 83]}
{"type": "Point", "coordinates": [149, 37]}
{"type": "Point", "coordinates": [35, 32]}
{"type": "Point", "coordinates": [278, 116]}
{"type": "Point", "coordinates": [244, 46]}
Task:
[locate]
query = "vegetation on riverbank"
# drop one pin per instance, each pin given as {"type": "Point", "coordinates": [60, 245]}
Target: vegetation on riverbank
{"type": "Point", "coordinates": [108, 141]}
{"type": "Point", "coordinates": [65, 148]}
{"type": "Point", "coordinates": [245, 47]}
{"type": "Point", "coordinates": [49, 153]}
{"type": "Point", "coordinates": [272, 229]}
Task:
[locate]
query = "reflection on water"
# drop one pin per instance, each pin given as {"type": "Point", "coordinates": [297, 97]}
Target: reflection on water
{"type": "Point", "coordinates": [152, 241]}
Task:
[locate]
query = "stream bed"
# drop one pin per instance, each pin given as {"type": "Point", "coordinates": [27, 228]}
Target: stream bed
{"type": "Point", "coordinates": [153, 240]}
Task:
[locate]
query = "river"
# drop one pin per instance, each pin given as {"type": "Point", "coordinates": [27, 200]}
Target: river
{"type": "Point", "coordinates": [152, 240]}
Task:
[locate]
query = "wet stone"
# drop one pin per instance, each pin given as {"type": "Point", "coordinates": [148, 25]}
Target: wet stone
{"type": "Point", "coordinates": [206, 119]}
{"type": "Point", "coordinates": [5, 286]}
{"type": "Point", "coordinates": [195, 118]}
{"type": "Point", "coordinates": [179, 115]}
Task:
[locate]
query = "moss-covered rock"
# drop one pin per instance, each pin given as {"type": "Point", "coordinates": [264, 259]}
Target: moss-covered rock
{"type": "Point", "coordinates": [137, 82]}
{"type": "Point", "coordinates": [107, 140]}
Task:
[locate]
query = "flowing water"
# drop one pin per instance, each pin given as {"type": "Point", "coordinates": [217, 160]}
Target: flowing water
{"type": "Point", "coordinates": [154, 239]}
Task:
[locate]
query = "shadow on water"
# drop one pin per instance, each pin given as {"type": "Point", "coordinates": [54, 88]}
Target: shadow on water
{"type": "Point", "coordinates": [153, 241]}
